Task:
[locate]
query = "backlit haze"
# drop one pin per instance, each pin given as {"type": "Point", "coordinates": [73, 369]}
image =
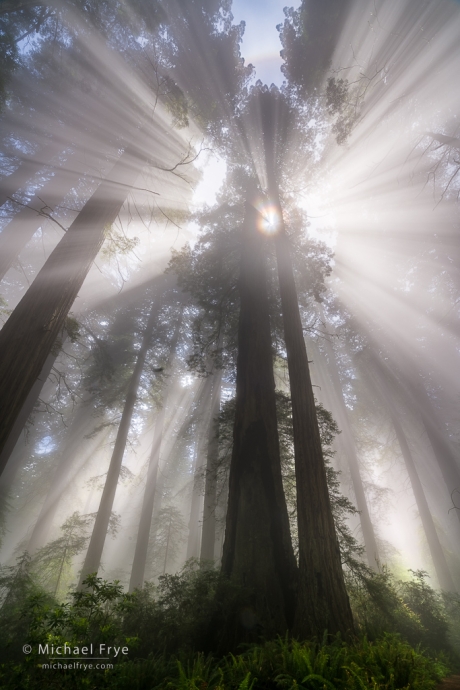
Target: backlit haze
{"type": "Point", "coordinates": [385, 201]}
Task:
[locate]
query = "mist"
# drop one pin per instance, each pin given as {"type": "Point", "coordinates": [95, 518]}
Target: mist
{"type": "Point", "coordinates": [229, 308]}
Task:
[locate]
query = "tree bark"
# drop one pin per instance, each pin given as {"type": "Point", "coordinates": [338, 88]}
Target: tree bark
{"type": "Point", "coordinates": [101, 525]}
{"type": "Point", "coordinates": [30, 332]}
{"type": "Point", "coordinates": [257, 551]}
{"type": "Point", "coordinates": [322, 602]}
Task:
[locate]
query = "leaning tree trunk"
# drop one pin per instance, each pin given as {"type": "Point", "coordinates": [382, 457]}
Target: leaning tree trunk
{"type": "Point", "coordinates": [101, 525]}
{"type": "Point", "coordinates": [208, 534]}
{"type": "Point", "coordinates": [12, 467]}
{"type": "Point", "coordinates": [257, 551]}
{"type": "Point", "coordinates": [367, 528]}
{"type": "Point", "coordinates": [437, 554]}
{"type": "Point", "coordinates": [22, 227]}
{"type": "Point", "coordinates": [29, 334]}
{"type": "Point", "coordinates": [28, 166]}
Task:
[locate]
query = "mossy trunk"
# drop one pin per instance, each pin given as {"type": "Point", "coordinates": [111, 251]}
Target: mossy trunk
{"type": "Point", "coordinates": [257, 551]}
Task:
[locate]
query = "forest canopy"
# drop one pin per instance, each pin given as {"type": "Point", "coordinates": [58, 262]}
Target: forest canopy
{"type": "Point", "coordinates": [229, 344]}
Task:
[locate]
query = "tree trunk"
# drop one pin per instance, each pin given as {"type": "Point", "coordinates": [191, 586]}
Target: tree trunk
{"type": "Point", "coordinates": [437, 554]}
{"type": "Point", "coordinates": [208, 535]}
{"type": "Point", "coordinates": [142, 542]}
{"type": "Point", "coordinates": [202, 414]}
{"type": "Point", "coordinates": [29, 334]}
{"type": "Point", "coordinates": [352, 457]}
{"type": "Point", "coordinates": [322, 602]}
{"type": "Point", "coordinates": [11, 469]}
{"type": "Point", "coordinates": [257, 550]}
{"type": "Point", "coordinates": [101, 525]}
{"type": "Point", "coordinates": [22, 227]}
{"type": "Point", "coordinates": [27, 168]}
{"type": "Point", "coordinates": [445, 454]}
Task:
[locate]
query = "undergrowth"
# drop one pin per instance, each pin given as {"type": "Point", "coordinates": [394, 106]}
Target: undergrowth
{"type": "Point", "coordinates": [406, 638]}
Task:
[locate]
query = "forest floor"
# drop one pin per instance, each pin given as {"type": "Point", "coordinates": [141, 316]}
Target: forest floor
{"type": "Point", "coordinates": [449, 683]}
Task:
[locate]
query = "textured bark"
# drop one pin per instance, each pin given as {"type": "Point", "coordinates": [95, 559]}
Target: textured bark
{"type": "Point", "coordinates": [352, 457]}
{"type": "Point", "coordinates": [31, 331]}
{"type": "Point", "coordinates": [257, 550]}
{"type": "Point", "coordinates": [322, 602]}
{"type": "Point", "coordinates": [208, 534]}
{"type": "Point", "coordinates": [101, 525]}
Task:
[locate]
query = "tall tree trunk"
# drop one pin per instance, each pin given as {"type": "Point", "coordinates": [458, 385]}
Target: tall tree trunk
{"type": "Point", "coordinates": [142, 542]}
{"type": "Point", "coordinates": [257, 550]}
{"type": "Point", "coordinates": [208, 535]}
{"type": "Point", "coordinates": [22, 227]}
{"type": "Point", "coordinates": [202, 419]}
{"type": "Point", "coordinates": [193, 540]}
{"type": "Point", "coordinates": [101, 525]}
{"type": "Point", "coordinates": [352, 458]}
{"type": "Point", "coordinates": [437, 554]}
{"type": "Point", "coordinates": [28, 167]}
{"type": "Point", "coordinates": [11, 469]}
{"type": "Point", "coordinates": [29, 334]}
{"type": "Point", "coordinates": [143, 535]}
{"type": "Point", "coordinates": [447, 458]}
{"type": "Point", "coordinates": [322, 602]}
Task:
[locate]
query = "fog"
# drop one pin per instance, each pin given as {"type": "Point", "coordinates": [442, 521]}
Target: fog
{"type": "Point", "coordinates": [144, 125]}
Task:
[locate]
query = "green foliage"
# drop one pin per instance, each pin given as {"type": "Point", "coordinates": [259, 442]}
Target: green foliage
{"type": "Point", "coordinates": [170, 628]}
{"type": "Point", "coordinates": [52, 563]}
{"type": "Point", "coordinates": [168, 530]}
{"type": "Point", "coordinates": [381, 603]}
{"type": "Point", "coordinates": [209, 273]}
